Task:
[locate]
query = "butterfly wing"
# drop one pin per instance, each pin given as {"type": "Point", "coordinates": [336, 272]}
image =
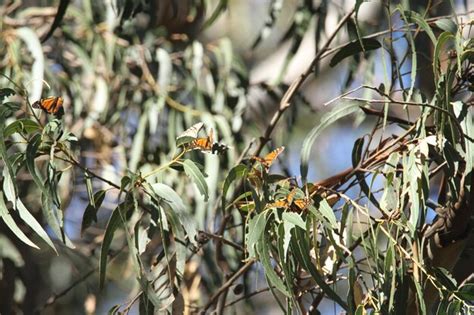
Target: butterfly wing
{"type": "Point", "coordinates": [271, 157]}
{"type": "Point", "coordinates": [52, 105]}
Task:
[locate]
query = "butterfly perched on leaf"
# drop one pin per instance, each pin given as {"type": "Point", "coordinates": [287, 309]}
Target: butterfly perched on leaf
{"type": "Point", "coordinates": [291, 202]}
{"type": "Point", "coordinates": [259, 170]}
{"type": "Point", "coordinates": [52, 105]}
{"type": "Point", "coordinates": [268, 159]}
{"type": "Point", "coordinates": [190, 140]}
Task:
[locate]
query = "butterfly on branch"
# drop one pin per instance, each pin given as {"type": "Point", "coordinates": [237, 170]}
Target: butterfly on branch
{"type": "Point", "coordinates": [190, 140]}
{"type": "Point", "coordinates": [52, 105]}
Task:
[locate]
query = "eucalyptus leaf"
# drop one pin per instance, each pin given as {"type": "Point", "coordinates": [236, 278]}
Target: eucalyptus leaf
{"type": "Point", "coordinates": [254, 232]}
{"type": "Point", "coordinates": [355, 47]}
{"type": "Point", "coordinates": [447, 25]}
{"type": "Point", "coordinates": [195, 174]}
{"type": "Point", "coordinates": [326, 120]}
{"type": "Point", "coordinates": [11, 224]}
{"type": "Point", "coordinates": [170, 197]}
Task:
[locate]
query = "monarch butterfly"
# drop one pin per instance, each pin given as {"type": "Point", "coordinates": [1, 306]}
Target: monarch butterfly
{"type": "Point", "coordinates": [52, 105]}
{"type": "Point", "coordinates": [208, 144]}
{"type": "Point", "coordinates": [203, 144]}
{"type": "Point", "coordinates": [268, 160]}
{"type": "Point", "coordinates": [290, 202]}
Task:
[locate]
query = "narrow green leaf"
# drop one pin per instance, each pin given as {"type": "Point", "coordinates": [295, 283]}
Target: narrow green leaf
{"type": "Point", "coordinates": [54, 217]}
{"type": "Point", "coordinates": [443, 276]}
{"type": "Point", "coordinates": [360, 310]}
{"type": "Point", "coordinates": [6, 92]}
{"type": "Point", "coordinates": [294, 218]}
{"type": "Point", "coordinates": [195, 174]}
{"type": "Point", "coordinates": [165, 70]}
{"type": "Point", "coordinates": [168, 195]}
{"type": "Point", "coordinates": [25, 215]}
{"type": "Point", "coordinates": [254, 232]}
{"type": "Point", "coordinates": [31, 150]}
{"type": "Point", "coordinates": [354, 47]}
{"type": "Point", "coordinates": [236, 173]}
{"type": "Point", "coordinates": [467, 292]}
{"type": "Point", "coordinates": [418, 19]}
{"type": "Point", "coordinates": [328, 213]}
{"type": "Point", "coordinates": [447, 25]}
{"type": "Point", "coordinates": [437, 58]}
{"type": "Point", "coordinates": [11, 224]}
{"type": "Point", "coordinates": [179, 237]}
{"type": "Point", "coordinates": [23, 125]}
{"type": "Point", "coordinates": [115, 221]}
{"type": "Point", "coordinates": [29, 219]}
{"type": "Point", "coordinates": [414, 60]}
{"type": "Point", "coordinates": [454, 308]}
{"type": "Point", "coordinates": [90, 214]}
{"type": "Point", "coordinates": [284, 239]}
{"type": "Point", "coordinates": [263, 250]}
{"type": "Point", "coordinates": [326, 120]}
{"type": "Point", "coordinates": [357, 152]}
{"type": "Point", "coordinates": [420, 298]}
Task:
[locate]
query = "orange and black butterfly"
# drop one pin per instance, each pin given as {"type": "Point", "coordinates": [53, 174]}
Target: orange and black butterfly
{"type": "Point", "coordinates": [52, 105]}
{"type": "Point", "coordinates": [268, 160]}
{"type": "Point", "coordinates": [203, 144]}
{"type": "Point", "coordinates": [292, 203]}
{"type": "Point", "coordinates": [208, 144]}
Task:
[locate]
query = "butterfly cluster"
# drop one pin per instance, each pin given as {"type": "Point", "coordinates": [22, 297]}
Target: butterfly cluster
{"type": "Point", "coordinates": [288, 196]}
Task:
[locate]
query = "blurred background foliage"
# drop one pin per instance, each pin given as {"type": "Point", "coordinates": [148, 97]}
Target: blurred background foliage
{"type": "Point", "coordinates": [129, 213]}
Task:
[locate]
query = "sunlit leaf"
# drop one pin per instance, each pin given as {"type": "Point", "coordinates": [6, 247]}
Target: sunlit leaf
{"type": "Point", "coordinates": [168, 195]}
{"type": "Point", "coordinates": [195, 174]}
{"type": "Point", "coordinates": [11, 224]}
{"type": "Point", "coordinates": [447, 25]}
{"type": "Point", "coordinates": [254, 233]}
